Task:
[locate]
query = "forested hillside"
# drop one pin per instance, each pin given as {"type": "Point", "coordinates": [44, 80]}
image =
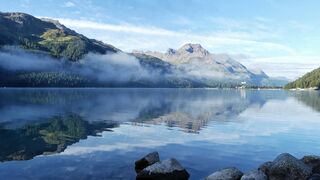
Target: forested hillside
{"type": "Point", "coordinates": [309, 80]}
{"type": "Point", "coordinates": [47, 36]}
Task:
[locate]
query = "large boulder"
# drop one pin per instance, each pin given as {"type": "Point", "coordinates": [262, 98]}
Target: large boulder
{"type": "Point", "coordinates": [146, 161]}
{"type": "Point", "coordinates": [254, 175]}
{"type": "Point", "coordinates": [169, 169]}
{"type": "Point", "coordinates": [265, 167]}
{"type": "Point", "coordinates": [313, 162]}
{"type": "Point", "coordinates": [286, 167]}
{"type": "Point", "coordinates": [226, 174]}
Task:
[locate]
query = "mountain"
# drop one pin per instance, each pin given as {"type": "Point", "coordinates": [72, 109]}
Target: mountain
{"type": "Point", "coordinates": [48, 36]}
{"type": "Point", "coordinates": [44, 53]}
{"type": "Point", "coordinates": [309, 80]}
{"type": "Point", "coordinates": [45, 37]}
{"type": "Point", "coordinates": [200, 63]}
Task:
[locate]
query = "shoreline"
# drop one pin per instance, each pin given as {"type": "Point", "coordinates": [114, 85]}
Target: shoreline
{"type": "Point", "coordinates": [305, 89]}
{"type": "Point", "coordinates": [283, 167]}
{"type": "Point", "coordinates": [235, 88]}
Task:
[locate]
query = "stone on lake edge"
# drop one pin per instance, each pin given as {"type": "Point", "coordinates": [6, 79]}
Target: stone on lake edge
{"type": "Point", "coordinates": [169, 169]}
{"type": "Point", "coordinates": [286, 166]}
{"type": "Point", "coordinates": [254, 175]}
{"type": "Point", "coordinates": [146, 161]}
{"type": "Point", "coordinates": [226, 174]}
{"type": "Point", "coordinates": [313, 162]}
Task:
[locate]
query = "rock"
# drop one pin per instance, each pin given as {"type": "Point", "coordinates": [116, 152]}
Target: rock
{"type": "Point", "coordinates": [314, 177]}
{"type": "Point", "coordinates": [265, 167]}
{"type": "Point", "coordinates": [286, 167]}
{"type": "Point", "coordinates": [226, 174]}
{"type": "Point", "coordinates": [254, 175]}
{"type": "Point", "coordinates": [169, 169]}
{"type": "Point", "coordinates": [146, 161]}
{"type": "Point", "coordinates": [313, 162]}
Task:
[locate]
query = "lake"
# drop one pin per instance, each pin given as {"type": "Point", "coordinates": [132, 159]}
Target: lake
{"type": "Point", "coordinates": [99, 133]}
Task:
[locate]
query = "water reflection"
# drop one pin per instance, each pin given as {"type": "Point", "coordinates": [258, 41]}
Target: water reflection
{"type": "Point", "coordinates": [51, 136]}
{"type": "Point", "coordinates": [46, 121]}
{"type": "Point", "coordinates": [192, 110]}
{"type": "Point", "coordinates": [189, 109]}
{"type": "Point", "coordinates": [205, 129]}
{"type": "Point", "coordinates": [309, 98]}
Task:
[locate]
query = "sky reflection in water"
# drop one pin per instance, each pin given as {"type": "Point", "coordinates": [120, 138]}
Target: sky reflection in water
{"type": "Point", "coordinates": [205, 129]}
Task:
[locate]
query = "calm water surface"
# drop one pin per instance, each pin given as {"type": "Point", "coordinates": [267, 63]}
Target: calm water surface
{"type": "Point", "coordinates": [99, 133]}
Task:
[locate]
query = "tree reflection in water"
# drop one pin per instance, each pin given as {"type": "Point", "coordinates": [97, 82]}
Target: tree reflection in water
{"type": "Point", "coordinates": [51, 136]}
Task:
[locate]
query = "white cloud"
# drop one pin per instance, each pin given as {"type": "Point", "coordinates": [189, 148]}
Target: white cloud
{"type": "Point", "coordinates": [116, 28]}
{"type": "Point", "coordinates": [153, 38]}
{"type": "Point", "coordinates": [291, 67]}
{"type": "Point", "coordinates": [264, 54]}
{"type": "Point", "coordinates": [69, 4]}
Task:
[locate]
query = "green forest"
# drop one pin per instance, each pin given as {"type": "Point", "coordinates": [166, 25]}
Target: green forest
{"type": "Point", "coordinates": [309, 80]}
{"type": "Point", "coordinates": [47, 36]}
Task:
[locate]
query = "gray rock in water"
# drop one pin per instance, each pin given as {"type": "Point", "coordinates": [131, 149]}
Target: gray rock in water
{"type": "Point", "coordinates": [146, 161]}
{"type": "Point", "coordinates": [169, 169]}
{"type": "Point", "coordinates": [226, 174]}
{"type": "Point", "coordinates": [254, 175]}
{"type": "Point", "coordinates": [314, 177]}
{"type": "Point", "coordinates": [313, 162]}
{"type": "Point", "coordinates": [265, 167]}
{"type": "Point", "coordinates": [286, 167]}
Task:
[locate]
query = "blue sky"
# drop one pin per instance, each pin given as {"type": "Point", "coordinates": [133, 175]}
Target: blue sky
{"type": "Point", "coordinates": [279, 37]}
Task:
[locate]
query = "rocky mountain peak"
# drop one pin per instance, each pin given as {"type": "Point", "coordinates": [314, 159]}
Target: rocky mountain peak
{"type": "Point", "coordinates": [59, 26]}
{"type": "Point", "coordinates": [22, 20]}
{"type": "Point", "coordinates": [55, 22]}
{"type": "Point", "coordinates": [259, 72]}
{"type": "Point", "coordinates": [171, 51]}
{"type": "Point", "coordinates": [17, 17]}
{"type": "Point", "coordinates": [193, 49]}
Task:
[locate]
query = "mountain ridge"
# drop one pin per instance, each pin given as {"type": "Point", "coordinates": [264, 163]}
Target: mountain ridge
{"type": "Point", "coordinates": [47, 35]}
{"type": "Point", "coordinates": [194, 58]}
{"type": "Point", "coordinates": [189, 66]}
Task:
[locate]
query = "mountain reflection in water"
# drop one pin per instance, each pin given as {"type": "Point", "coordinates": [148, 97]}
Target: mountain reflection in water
{"type": "Point", "coordinates": [100, 132]}
{"type": "Point", "coordinates": [51, 136]}
{"type": "Point", "coordinates": [186, 108]}
{"type": "Point", "coordinates": [309, 98]}
{"type": "Point", "coordinates": [45, 121]}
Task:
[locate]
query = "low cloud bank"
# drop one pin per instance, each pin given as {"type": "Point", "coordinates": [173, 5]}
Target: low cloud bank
{"type": "Point", "coordinates": [16, 59]}
{"type": "Point", "coordinates": [117, 68]}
